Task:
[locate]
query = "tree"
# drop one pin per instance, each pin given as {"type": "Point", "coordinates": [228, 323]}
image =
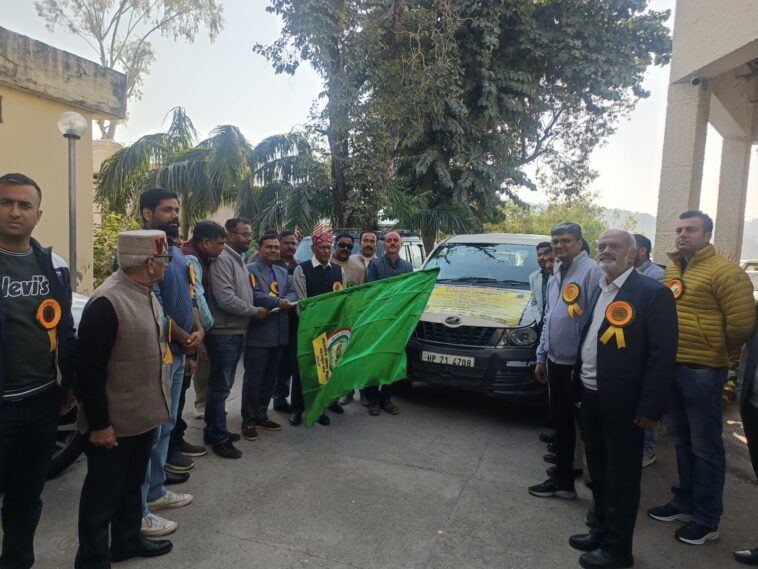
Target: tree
{"type": "Point", "coordinates": [275, 182]}
{"type": "Point", "coordinates": [106, 241]}
{"type": "Point", "coordinates": [119, 32]}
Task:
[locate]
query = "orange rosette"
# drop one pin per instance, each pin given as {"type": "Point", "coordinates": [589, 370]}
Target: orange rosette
{"type": "Point", "coordinates": [676, 286]}
{"type": "Point", "coordinates": [619, 315]}
{"type": "Point", "coordinates": [168, 357]}
{"type": "Point", "coordinates": [337, 286]}
{"type": "Point", "coordinates": [570, 295]}
{"type": "Point", "coordinates": [253, 283]}
{"type": "Point", "coordinates": [274, 289]}
{"type": "Point", "coordinates": [49, 316]}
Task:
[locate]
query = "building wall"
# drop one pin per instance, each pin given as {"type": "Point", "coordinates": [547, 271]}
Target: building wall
{"type": "Point", "coordinates": [31, 144]}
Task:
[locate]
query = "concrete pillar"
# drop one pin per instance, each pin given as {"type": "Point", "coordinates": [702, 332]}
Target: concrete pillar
{"type": "Point", "coordinates": [730, 213]}
{"type": "Point", "coordinates": [682, 165]}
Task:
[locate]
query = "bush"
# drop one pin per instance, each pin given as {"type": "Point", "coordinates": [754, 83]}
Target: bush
{"type": "Point", "coordinates": [106, 239]}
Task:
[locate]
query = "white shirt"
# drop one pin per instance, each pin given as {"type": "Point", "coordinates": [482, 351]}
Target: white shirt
{"type": "Point", "coordinates": [608, 293]}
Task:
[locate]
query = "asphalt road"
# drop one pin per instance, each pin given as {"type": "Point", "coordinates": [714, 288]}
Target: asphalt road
{"type": "Point", "coordinates": [440, 486]}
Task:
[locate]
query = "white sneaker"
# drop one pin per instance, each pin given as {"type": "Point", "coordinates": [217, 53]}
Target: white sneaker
{"type": "Point", "coordinates": [199, 412]}
{"type": "Point", "coordinates": [647, 459]}
{"type": "Point", "coordinates": [156, 526]}
{"type": "Point", "coordinates": [170, 500]}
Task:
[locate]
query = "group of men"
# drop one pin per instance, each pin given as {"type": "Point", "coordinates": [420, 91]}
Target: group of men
{"type": "Point", "coordinates": [171, 313]}
{"type": "Point", "coordinates": [623, 343]}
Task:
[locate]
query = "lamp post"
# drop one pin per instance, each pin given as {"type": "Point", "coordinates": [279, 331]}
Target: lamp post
{"type": "Point", "coordinates": [72, 126]}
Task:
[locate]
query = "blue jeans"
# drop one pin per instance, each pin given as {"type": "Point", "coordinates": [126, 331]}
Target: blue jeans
{"type": "Point", "coordinates": [651, 441]}
{"type": "Point", "coordinates": [695, 425]}
{"type": "Point", "coordinates": [154, 488]}
{"type": "Point", "coordinates": [224, 352]}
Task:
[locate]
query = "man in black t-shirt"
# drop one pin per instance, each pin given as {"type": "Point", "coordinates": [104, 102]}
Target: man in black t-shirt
{"type": "Point", "coordinates": [36, 333]}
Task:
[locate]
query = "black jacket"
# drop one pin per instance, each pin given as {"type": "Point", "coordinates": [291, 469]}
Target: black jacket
{"type": "Point", "coordinates": [750, 363]}
{"type": "Point", "coordinates": [636, 380]}
{"type": "Point", "coordinates": [57, 273]}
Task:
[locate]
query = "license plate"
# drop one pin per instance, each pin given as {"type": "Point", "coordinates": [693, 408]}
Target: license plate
{"type": "Point", "coordinates": [447, 359]}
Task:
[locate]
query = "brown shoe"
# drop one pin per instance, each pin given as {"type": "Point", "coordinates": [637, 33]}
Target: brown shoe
{"type": "Point", "coordinates": [249, 433]}
{"type": "Point", "coordinates": [268, 425]}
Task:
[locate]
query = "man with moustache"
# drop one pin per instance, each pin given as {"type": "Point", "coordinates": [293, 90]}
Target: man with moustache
{"type": "Point", "coordinates": [36, 341]}
{"type": "Point", "coordinates": [231, 300]}
{"type": "Point", "coordinates": [624, 368]}
{"type": "Point", "coordinates": [353, 272]}
{"type": "Point", "coordinates": [160, 212]}
{"type": "Point", "coordinates": [538, 280]}
{"type": "Point", "coordinates": [574, 277]}
{"type": "Point", "coordinates": [287, 365]}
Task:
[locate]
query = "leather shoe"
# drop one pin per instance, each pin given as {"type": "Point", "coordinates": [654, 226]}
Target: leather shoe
{"type": "Point", "coordinates": [747, 556]}
{"type": "Point", "coordinates": [227, 450]}
{"type": "Point", "coordinates": [335, 407]}
{"type": "Point", "coordinates": [324, 420]}
{"type": "Point", "coordinates": [175, 477]}
{"type": "Point", "coordinates": [546, 437]}
{"type": "Point", "coordinates": [551, 448]}
{"type": "Point", "coordinates": [550, 458]}
{"type": "Point", "coordinates": [143, 548]}
{"type": "Point", "coordinates": [600, 559]}
{"type": "Point", "coordinates": [296, 419]}
{"type": "Point", "coordinates": [586, 541]}
{"type": "Point", "coordinates": [590, 518]}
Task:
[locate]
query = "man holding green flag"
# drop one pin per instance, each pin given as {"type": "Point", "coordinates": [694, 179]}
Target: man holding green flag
{"type": "Point", "coordinates": [356, 337]}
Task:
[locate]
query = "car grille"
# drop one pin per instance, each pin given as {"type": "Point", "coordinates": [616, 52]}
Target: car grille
{"type": "Point", "coordinates": [462, 336]}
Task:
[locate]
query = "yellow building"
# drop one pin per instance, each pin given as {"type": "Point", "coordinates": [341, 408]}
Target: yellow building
{"type": "Point", "coordinates": [37, 84]}
{"type": "Point", "coordinates": [714, 79]}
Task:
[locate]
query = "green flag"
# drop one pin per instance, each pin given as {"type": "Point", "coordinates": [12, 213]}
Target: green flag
{"type": "Point", "coordinates": [356, 337]}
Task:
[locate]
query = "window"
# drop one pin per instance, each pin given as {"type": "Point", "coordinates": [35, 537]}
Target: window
{"type": "Point", "coordinates": [417, 258]}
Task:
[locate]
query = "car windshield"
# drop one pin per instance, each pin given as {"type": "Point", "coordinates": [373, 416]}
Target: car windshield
{"type": "Point", "coordinates": [500, 263]}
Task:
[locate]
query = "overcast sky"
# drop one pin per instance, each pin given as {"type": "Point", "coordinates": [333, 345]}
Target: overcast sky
{"type": "Point", "coordinates": [226, 83]}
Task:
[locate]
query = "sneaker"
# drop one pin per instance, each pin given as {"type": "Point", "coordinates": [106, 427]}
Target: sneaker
{"type": "Point", "coordinates": [547, 437]}
{"type": "Point", "coordinates": [373, 408]}
{"type": "Point", "coordinates": [199, 412]}
{"type": "Point", "coordinates": [348, 398]}
{"type": "Point", "coordinates": [550, 458]}
{"type": "Point", "coordinates": [389, 407]}
{"type": "Point", "coordinates": [364, 399]}
{"type": "Point", "coordinates": [170, 500]}
{"type": "Point", "coordinates": [156, 526]}
{"type": "Point", "coordinates": [268, 425]}
{"type": "Point", "coordinates": [648, 458]}
{"type": "Point", "coordinates": [695, 534]}
{"type": "Point", "coordinates": [227, 450]}
{"type": "Point", "coordinates": [177, 462]}
{"type": "Point", "coordinates": [324, 421]}
{"type": "Point", "coordinates": [549, 488]}
{"type": "Point", "coordinates": [669, 513]}
{"type": "Point", "coordinates": [249, 433]}
{"type": "Point", "coordinates": [336, 408]}
{"type": "Point", "coordinates": [188, 449]}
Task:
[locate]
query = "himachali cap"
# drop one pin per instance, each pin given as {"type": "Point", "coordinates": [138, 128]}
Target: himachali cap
{"type": "Point", "coordinates": [320, 237]}
{"type": "Point", "coordinates": [145, 242]}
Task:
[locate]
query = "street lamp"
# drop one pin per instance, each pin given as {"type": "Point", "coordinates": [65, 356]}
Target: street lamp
{"type": "Point", "coordinates": [72, 126]}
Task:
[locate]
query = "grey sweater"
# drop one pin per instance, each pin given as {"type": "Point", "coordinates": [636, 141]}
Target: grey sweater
{"type": "Point", "coordinates": [231, 294]}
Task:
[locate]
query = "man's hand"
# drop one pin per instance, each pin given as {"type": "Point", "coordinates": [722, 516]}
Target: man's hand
{"type": "Point", "coordinates": [195, 339]}
{"type": "Point", "coordinates": [285, 304]}
{"type": "Point", "coordinates": [644, 423]}
{"type": "Point", "coordinates": [540, 372]}
{"type": "Point", "coordinates": [68, 404]}
{"type": "Point", "coordinates": [261, 313]}
{"type": "Point", "coordinates": [190, 366]}
{"type": "Point", "coordinates": [105, 438]}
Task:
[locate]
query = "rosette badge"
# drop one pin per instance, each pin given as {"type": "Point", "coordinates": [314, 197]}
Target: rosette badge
{"type": "Point", "coordinates": [619, 315]}
{"type": "Point", "coordinates": [571, 294]}
{"type": "Point", "coordinates": [274, 289]}
{"type": "Point", "coordinates": [676, 287]}
{"type": "Point", "coordinates": [49, 316]}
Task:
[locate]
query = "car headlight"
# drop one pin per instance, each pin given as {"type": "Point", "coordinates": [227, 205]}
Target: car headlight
{"type": "Point", "coordinates": [522, 336]}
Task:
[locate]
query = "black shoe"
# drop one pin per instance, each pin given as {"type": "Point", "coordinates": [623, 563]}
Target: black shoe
{"type": "Point", "coordinates": [547, 437]}
{"type": "Point", "coordinates": [282, 406]}
{"type": "Point", "coordinates": [590, 518]}
{"type": "Point", "coordinates": [549, 488]}
{"type": "Point", "coordinates": [296, 419]}
{"type": "Point", "coordinates": [234, 437]}
{"type": "Point", "coordinates": [336, 408]}
{"type": "Point", "coordinates": [177, 462]}
{"type": "Point", "coordinates": [747, 556]}
{"type": "Point", "coordinates": [550, 458]}
{"type": "Point", "coordinates": [373, 408]}
{"type": "Point", "coordinates": [188, 449]}
{"type": "Point", "coordinates": [389, 407]}
{"type": "Point", "coordinates": [586, 541]}
{"type": "Point", "coordinates": [364, 399]}
{"type": "Point", "coordinates": [144, 548]}
{"type": "Point", "coordinates": [695, 534]}
{"type": "Point", "coordinates": [600, 559]}
{"type": "Point", "coordinates": [551, 448]}
{"type": "Point", "coordinates": [669, 513]}
{"type": "Point", "coordinates": [227, 450]}
{"type": "Point", "coordinates": [324, 420]}
{"type": "Point", "coordinates": [553, 469]}
{"type": "Point", "coordinates": [175, 477]}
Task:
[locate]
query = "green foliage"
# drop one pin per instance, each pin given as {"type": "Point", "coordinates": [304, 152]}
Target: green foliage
{"type": "Point", "coordinates": [106, 239]}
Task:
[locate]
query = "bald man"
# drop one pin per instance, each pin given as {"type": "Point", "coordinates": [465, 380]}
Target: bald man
{"type": "Point", "coordinates": [625, 363]}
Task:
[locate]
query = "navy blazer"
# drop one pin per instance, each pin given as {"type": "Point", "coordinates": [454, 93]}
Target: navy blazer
{"type": "Point", "coordinates": [748, 369]}
{"type": "Point", "coordinates": [273, 330]}
{"type": "Point", "coordinates": [636, 380]}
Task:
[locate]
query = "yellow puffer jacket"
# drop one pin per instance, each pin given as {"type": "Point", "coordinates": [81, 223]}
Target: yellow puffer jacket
{"type": "Point", "coordinates": [716, 309]}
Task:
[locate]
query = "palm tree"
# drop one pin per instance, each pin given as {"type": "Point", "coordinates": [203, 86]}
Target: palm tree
{"type": "Point", "coordinates": [278, 182]}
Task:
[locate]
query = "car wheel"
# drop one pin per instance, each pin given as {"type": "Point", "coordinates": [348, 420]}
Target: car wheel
{"type": "Point", "coordinates": [68, 445]}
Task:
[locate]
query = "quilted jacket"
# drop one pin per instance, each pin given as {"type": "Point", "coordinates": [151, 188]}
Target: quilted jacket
{"type": "Point", "coordinates": [716, 310]}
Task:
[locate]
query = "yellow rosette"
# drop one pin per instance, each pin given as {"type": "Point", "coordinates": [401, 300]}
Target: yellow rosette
{"type": "Point", "coordinates": [337, 286]}
{"type": "Point", "coordinates": [192, 279]}
{"type": "Point", "coordinates": [571, 294]}
{"type": "Point", "coordinates": [676, 286]}
{"type": "Point", "coordinates": [619, 314]}
{"type": "Point", "coordinates": [49, 316]}
{"type": "Point", "coordinates": [168, 357]}
{"type": "Point", "coordinates": [252, 280]}
{"type": "Point", "coordinates": [274, 289]}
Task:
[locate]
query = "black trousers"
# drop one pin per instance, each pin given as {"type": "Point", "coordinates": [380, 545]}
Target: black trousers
{"type": "Point", "coordinates": [284, 375]}
{"type": "Point", "coordinates": [28, 431]}
{"type": "Point", "coordinates": [261, 369]}
{"type": "Point", "coordinates": [112, 499]}
{"type": "Point", "coordinates": [750, 423]}
{"type": "Point", "coordinates": [181, 425]}
{"type": "Point", "coordinates": [614, 455]}
{"type": "Point", "coordinates": [563, 413]}
{"type": "Point", "coordinates": [380, 393]}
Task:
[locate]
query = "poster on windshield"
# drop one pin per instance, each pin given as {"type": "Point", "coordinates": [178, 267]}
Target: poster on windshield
{"type": "Point", "coordinates": [507, 307]}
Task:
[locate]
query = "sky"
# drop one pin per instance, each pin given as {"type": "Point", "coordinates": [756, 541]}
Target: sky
{"type": "Point", "coordinates": [226, 83]}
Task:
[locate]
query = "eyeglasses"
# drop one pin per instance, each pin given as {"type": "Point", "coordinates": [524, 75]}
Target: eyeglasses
{"type": "Point", "coordinates": [166, 258]}
{"type": "Point", "coordinates": [345, 245]}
